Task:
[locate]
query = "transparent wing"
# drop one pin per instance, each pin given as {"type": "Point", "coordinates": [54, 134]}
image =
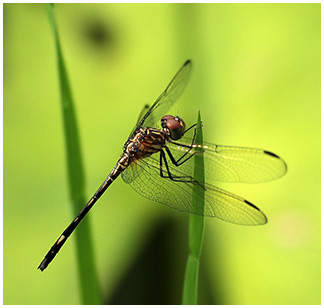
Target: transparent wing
{"type": "Point", "coordinates": [144, 177]}
{"type": "Point", "coordinates": [144, 111]}
{"type": "Point", "coordinates": [232, 164]}
{"type": "Point", "coordinates": [132, 172]}
{"type": "Point", "coordinates": [167, 98]}
{"type": "Point", "coordinates": [140, 117]}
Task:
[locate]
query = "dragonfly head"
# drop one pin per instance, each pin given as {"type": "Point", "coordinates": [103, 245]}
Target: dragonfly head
{"type": "Point", "coordinates": [173, 126]}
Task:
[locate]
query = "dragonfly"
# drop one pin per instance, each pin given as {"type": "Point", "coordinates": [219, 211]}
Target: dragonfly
{"type": "Point", "coordinates": [157, 163]}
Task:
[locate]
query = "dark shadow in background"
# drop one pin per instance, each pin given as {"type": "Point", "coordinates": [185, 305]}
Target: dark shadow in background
{"type": "Point", "coordinates": [156, 275]}
{"type": "Point", "coordinates": [97, 33]}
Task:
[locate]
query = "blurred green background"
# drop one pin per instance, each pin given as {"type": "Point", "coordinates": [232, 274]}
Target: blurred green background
{"type": "Point", "coordinates": [256, 80]}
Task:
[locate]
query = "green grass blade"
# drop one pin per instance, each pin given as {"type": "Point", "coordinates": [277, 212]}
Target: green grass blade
{"type": "Point", "coordinates": [196, 228]}
{"type": "Point", "coordinates": [89, 282]}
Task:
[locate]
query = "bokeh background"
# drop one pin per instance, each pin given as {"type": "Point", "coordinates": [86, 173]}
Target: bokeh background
{"type": "Point", "coordinates": [256, 81]}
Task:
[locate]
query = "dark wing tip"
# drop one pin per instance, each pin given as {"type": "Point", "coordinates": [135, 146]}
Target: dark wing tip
{"type": "Point", "coordinates": [187, 62]}
{"type": "Point", "coordinates": [255, 207]}
{"type": "Point", "coordinates": [251, 204]}
{"type": "Point", "coordinates": [271, 154]}
{"type": "Point", "coordinates": [280, 159]}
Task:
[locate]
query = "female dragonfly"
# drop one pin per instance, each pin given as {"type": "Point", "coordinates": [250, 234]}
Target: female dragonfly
{"type": "Point", "coordinates": [156, 163]}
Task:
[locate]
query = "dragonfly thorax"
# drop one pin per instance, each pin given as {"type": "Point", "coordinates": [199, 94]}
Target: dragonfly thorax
{"type": "Point", "coordinates": [173, 127]}
{"type": "Point", "coordinates": [134, 143]}
{"type": "Point", "coordinates": [144, 142]}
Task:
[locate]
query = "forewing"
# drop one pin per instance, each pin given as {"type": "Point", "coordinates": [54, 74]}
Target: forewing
{"type": "Point", "coordinates": [144, 111]}
{"type": "Point", "coordinates": [140, 117]}
{"type": "Point", "coordinates": [167, 98]}
{"type": "Point", "coordinates": [232, 164]}
{"type": "Point", "coordinates": [145, 179]}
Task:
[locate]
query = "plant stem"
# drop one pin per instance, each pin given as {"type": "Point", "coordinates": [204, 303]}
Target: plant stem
{"type": "Point", "coordinates": [196, 228]}
{"type": "Point", "coordinates": [89, 282]}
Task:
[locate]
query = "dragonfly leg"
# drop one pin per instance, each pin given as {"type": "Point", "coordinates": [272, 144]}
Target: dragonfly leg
{"type": "Point", "coordinates": [181, 160]}
{"type": "Point", "coordinates": [188, 129]}
{"type": "Point", "coordinates": [184, 179]}
{"type": "Point", "coordinates": [195, 131]}
{"type": "Point", "coordinates": [177, 162]}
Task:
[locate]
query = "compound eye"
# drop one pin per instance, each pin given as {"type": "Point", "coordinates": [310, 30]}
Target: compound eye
{"type": "Point", "coordinates": [172, 124]}
{"type": "Point", "coordinates": [165, 120]}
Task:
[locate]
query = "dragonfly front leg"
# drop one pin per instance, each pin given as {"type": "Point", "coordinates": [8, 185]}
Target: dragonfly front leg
{"type": "Point", "coordinates": [182, 159]}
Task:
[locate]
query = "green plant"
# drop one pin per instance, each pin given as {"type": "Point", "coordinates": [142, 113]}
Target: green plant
{"type": "Point", "coordinates": [89, 283]}
{"type": "Point", "coordinates": [196, 228]}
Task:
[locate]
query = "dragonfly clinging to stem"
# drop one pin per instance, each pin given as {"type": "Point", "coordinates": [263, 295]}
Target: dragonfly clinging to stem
{"type": "Point", "coordinates": [157, 163]}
